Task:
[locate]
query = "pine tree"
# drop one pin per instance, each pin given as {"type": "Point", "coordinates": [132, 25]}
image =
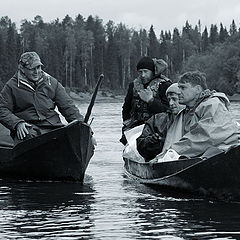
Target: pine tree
{"type": "Point", "coordinates": [163, 46]}
{"type": "Point", "coordinates": [205, 40]}
{"type": "Point", "coordinates": [97, 49]}
{"type": "Point", "coordinates": [136, 50]}
{"type": "Point", "coordinates": [11, 47]}
{"type": "Point", "coordinates": [153, 49]}
{"type": "Point", "coordinates": [233, 28]}
{"type": "Point", "coordinates": [223, 34]}
{"type": "Point", "coordinates": [213, 38]}
{"type": "Point", "coordinates": [177, 56]}
{"type": "Point", "coordinates": [143, 42]}
{"type": "Point", "coordinates": [111, 58]}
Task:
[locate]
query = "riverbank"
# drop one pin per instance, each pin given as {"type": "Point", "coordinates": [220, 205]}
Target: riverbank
{"type": "Point", "coordinates": [102, 96]}
{"type": "Point", "coordinates": [107, 95]}
{"type": "Point", "coordinates": [234, 97]}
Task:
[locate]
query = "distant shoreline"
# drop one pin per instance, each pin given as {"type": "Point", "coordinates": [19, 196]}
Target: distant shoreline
{"type": "Point", "coordinates": [234, 97]}
{"type": "Point", "coordinates": [108, 95]}
{"type": "Point", "coordinates": [102, 96]}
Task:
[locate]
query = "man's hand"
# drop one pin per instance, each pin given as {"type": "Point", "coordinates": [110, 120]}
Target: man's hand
{"type": "Point", "coordinates": [154, 138]}
{"type": "Point", "coordinates": [146, 95]}
{"type": "Point", "coordinates": [127, 122]}
{"type": "Point", "coordinates": [22, 130]}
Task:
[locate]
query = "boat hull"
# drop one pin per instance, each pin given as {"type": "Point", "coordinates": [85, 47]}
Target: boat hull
{"type": "Point", "coordinates": [218, 175]}
{"type": "Point", "coordinates": [62, 154]}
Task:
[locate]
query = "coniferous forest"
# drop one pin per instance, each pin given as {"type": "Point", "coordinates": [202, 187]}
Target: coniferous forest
{"type": "Point", "coordinates": [76, 51]}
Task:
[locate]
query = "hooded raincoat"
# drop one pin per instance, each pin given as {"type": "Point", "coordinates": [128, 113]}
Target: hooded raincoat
{"type": "Point", "coordinates": [209, 124]}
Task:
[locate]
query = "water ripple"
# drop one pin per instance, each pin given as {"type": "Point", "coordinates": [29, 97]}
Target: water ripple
{"type": "Point", "coordinates": [109, 205]}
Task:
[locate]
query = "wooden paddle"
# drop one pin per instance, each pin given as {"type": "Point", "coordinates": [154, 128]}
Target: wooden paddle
{"type": "Point", "coordinates": [89, 110]}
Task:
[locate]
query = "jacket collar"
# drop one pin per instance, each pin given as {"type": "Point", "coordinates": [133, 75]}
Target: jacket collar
{"type": "Point", "coordinates": [21, 78]}
{"type": "Point", "coordinates": [203, 95]}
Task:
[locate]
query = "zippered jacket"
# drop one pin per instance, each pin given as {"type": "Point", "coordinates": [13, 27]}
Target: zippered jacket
{"type": "Point", "coordinates": [21, 100]}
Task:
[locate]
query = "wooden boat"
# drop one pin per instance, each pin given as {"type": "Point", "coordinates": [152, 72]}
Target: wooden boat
{"type": "Point", "coordinates": [62, 154]}
{"type": "Point", "coordinates": [218, 175]}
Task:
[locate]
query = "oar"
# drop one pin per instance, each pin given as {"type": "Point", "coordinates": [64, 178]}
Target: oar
{"type": "Point", "coordinates": [89, 110]}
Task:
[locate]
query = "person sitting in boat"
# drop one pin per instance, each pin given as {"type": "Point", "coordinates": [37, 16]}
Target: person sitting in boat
{"type": "Point", "coordinates": [29, 98]}
{"type": "Point", "coordinates": [156, 135]}
{"type": "Point", "coordinates": [146, 94]}
{"type": "Point", "coordinates": [208, 125]}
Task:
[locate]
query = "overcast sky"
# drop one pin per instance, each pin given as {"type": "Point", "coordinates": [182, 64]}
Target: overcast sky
{"type": "Point", "coordinates": [163, 15]}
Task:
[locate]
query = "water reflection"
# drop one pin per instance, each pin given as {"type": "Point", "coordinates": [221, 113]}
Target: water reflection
{"type": "Point", "coordinates": [109, 205]}
{"type": "Point", "coordinates": [234, 108]}
{"type": "Point", "coordinates": [180, 215]}
{"type": "Point", "coordinates": [45, 209]}
{"type": "Point", "coordinates": [44, 195]}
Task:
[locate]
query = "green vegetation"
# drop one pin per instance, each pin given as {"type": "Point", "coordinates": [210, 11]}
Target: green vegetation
{"type": "Point", "coordinates": [77, 51]}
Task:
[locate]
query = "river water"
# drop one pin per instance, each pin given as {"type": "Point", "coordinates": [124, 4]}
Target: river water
{"type": "Point", "coordinates": [109, 205]}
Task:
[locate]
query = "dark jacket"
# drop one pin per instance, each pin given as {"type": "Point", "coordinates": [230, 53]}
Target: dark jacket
{"type": "Point", "coordinates": [151, 141]}
{"type": "Point", "coordinates": [139, 111]}
{"type": "Point", "coordinates": [22, 101]}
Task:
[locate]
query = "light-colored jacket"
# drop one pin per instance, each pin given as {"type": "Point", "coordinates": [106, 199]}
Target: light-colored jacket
{"type": "Point", "coordinates": [208, 124]}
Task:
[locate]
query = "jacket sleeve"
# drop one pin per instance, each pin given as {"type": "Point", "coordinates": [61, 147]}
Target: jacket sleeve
{"type": "Point", "coordinates": [214, 126]}
{"type": "Point", "coordinates": [127, 106]}
{"type": "Point", "coordinates": [160, 104]}
{"type": "Point", "coordinates": [146, 147]}
{"type": "Point", "coordinates": [66, 105]}
{"type": "Point", "coordinates": [7, 117]}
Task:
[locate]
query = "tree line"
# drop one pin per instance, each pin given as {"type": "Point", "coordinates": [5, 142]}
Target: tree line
{"type": "Point", "coordinates": [76, 51]}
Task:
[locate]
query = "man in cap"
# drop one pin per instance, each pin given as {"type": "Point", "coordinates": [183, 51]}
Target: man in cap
{"type": "Point", "coordinates": [146, 94]}
{"type": "Point", "coordinates": [162, 129]}
{"type": "Point", "coordinates": [29, 98]}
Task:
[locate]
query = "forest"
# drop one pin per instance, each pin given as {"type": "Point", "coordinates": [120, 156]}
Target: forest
{"type": "Point", "coordinates": [76, 51]}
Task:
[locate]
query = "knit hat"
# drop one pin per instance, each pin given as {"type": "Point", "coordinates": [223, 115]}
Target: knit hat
{"type": "Point", "coordinates": [146, 63]}
{"type": "Point", "coordinates": [173, 89]}
{"type": "Point", "coordinates": [30, 60]}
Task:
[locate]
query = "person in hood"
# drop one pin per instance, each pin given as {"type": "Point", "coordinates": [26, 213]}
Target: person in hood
{"type": "Point", "coordinates": [29, 98]}
{"type": "Point", "coordinates": [146, 94]}
{"type": "Point", "coordinates": [208, 125]}
{"type": "Point", "coordinates": [162, 129]}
